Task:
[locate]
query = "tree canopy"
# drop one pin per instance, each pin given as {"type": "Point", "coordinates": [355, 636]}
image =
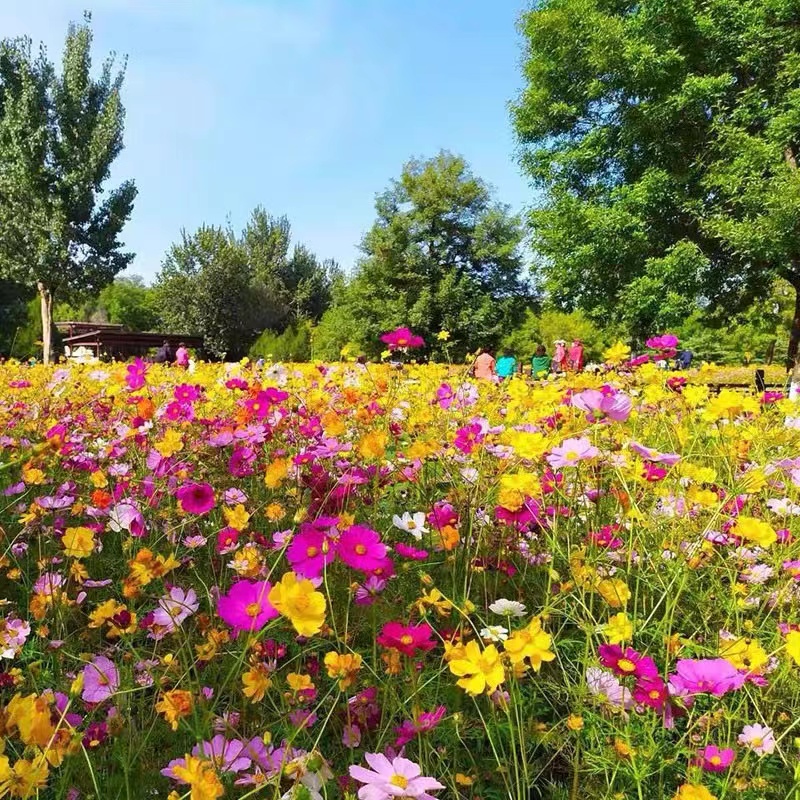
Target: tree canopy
{"type": "Point", "coordinates": [59, 135]}
{"type": "Point", "coordinates": [663, 136]}
{"type": "Point", "coordinates": [442, 255]}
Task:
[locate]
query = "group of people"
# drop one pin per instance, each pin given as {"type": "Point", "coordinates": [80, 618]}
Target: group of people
{"type": "Point", "coordinates": [166, 355]}
{"type": "Point", "coordinates": [564, 359]}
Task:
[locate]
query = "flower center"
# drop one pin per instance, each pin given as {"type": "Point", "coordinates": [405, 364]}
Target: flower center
{"type": "Point", "coordinates": [715, 760]}
{"type": "Point", "coordinates": [411, 524]}
{"type": "Point", "coordinates": [361, 549]}
{"type": "Point", "coordinates": [399, 780]}
{"type": "Point", "coordinates": [312, 551]}
{"type": "Point", "coordinates": [406, 639]}
{"type": "Point", "coordinates": [626, 665]}
{"type": "Point", "coordinates": [654, 694]}
{"type": "Point", "coordinates": [757, 741]}
{"type": "Point", "coordinates": [301, 602]}
{"type": "Point", "coordinates": [571, 455]}
{"type": "Point", "coordinates": [252, 610]}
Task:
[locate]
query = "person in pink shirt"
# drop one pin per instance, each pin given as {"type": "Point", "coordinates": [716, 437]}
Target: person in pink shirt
{"type": "Point", "coordinates": [182, 356]}
{"type": "Point", "coordinates": [560, 356]}
{"type": "Point", "coordinates": [484, 366]}
{"type": "Point", "coordinates": [575, 361]}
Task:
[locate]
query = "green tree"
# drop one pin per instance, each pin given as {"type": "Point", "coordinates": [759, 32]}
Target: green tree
{"type": "Point", "coordinates": [14, 300]}
{"type": "Point", "coordinates": [663, 136]}
{"type": "Point", "coordinates": [59, 135]}
{"type": "Point", "coordinates": [442, 255]}
{"type": "Point", "coordinates": [129, 302]}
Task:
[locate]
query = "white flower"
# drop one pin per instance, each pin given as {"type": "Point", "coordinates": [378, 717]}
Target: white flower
{"type": "Point", "coordinates": [494, 633]}
{"type": "Point", "coordinates": [411, 523]}
{"type": "Point", "coordinates": [508, 608]}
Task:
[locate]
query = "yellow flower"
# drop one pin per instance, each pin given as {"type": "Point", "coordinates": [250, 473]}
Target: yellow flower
{"type": "Point", "coordinates": [170, 443]}
{"type": "Point", "coordinates": [515, 488]}
{"type": "Point", "coordinates": [618, 629]}
{"type": "Point", "coordinates": [443, 336]}
{"type": "Point", "coordinates": [436, 600]}
{"type": "Point", "coordinates": [793, 645]}
{"type": "Point", "coordinates": [298, 682]}
{"type": "Point", "coordinates": [690, 791]}
{"type": "Point", "coordinates": [614, 591]}
{"type": "Point", "coordinates": [617, 353]}
{"type": "Point", "coordinates": [256, 682]}
{"type": "Point", "coordinates": [575, 722]}
{"type": "Point", "coordinates": [300, 603]}
{"type": "Point", "coordinates": [532, 643]}
{"type": "Point", "coordinates": [25, 778]}
{"type": "Point", "coordinates": [31, 717]}
{"type": "Point", "coordinates": [478, 671]}
{"type": "Point", "coordinates": [99, 480]}
{"type": "Point", "coordinates": [175, 705]}
{"type": "Point", "coordinates": [344, 667]}
{"type": "Point", "coordinates": [32, 476]}
{"type": "Point", "coordinates": [201, 777]}
{"type": "Point", "coordinates": [236, 517]}
{"type": "Point", "coordinates": [78, 542]}
{"type": "Point", "coordinates": [745, 654]}
{"type": "Point", "coordinates": [276, 472]}
{"type": "Point", "coordinates": [373, 445]}
{"type": "Point", "coordinates": [755, 530]}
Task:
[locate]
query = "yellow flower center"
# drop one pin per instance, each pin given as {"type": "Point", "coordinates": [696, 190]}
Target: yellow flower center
{"type": "Point", "coordinates": [715, 760]}
{"type": "Point", "coordinates": [571, 455]}
{"type": "Point", "coordinates": [301, 602]}
{"type": "Point", "coordinates": [312, 551]}
{"type": "Point", "coordinates": [361, 549]}
{"type": "Point", "coordinates": [399, 780]}
{"type": "Point", "coordinates": [655, 694]}
{"type": "Point", "coordinates": [406, 638]}
{"type": "Point", "coordinates": [252, 610]}
{"type": "Point", "coordinates": [757, 741]}
{"type": "Point", "coordinates": [626, 665]}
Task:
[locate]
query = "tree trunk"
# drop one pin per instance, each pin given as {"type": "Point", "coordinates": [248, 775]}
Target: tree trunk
{"type": "Point", "coordinates": [46, 299]}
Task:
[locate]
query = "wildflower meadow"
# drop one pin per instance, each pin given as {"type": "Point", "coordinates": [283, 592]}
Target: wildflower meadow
{"type": "Point", "coordinates": [393, 581]}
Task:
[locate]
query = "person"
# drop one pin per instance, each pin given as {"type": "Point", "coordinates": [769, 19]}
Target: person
{"type": "Point", "coordinates": [560, 356]}
{"type": "Point", "coordinates": [540, 363]}
{"type": "Point", "coordinates": [684, 359]}
{"type": "Point", "coordinates": [506, 365]}
{"type": "Point", "coordinates": [484, 366]}
{"type": "Point", "coordinates": [575, 356]}
{"type": "Point", "coordinates": [182, 356]}
{"type": "Point", "coordinates": [163, 354]}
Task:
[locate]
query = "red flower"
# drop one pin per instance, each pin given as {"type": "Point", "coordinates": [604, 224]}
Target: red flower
{"type": "Point", "coordinates": [406, 638]}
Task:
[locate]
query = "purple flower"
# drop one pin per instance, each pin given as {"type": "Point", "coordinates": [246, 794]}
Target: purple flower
{"type": "Point", "coordinates": [196, 498]}
{"type": "Point", "coordinates": [100, 680]}
{"type": "Point", "coordinates": [228, 755]}
{"type": "Point", "coordinates": [715, 676]}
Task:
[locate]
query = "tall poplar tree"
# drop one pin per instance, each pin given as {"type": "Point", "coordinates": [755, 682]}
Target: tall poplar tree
{"type": "Point", "coordinates": [59, 135]}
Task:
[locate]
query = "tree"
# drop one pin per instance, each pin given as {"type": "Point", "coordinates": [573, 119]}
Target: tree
{"type": "Point", "coordinates": [442, 255]}
{"type": "Point", "coordinates": [59, 135]}
{"type": "Point", "coordinates": [231, 288]}
{"type": "Point", "coordinates": [130, 303]}
{"type": "Point", "coordinates": [663, 136]}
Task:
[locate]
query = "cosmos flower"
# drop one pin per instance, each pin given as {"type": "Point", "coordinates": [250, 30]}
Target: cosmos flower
{"type": "Point", "coordinates": [246, 606]}
{"type": "Point", "coordinates": [100, 680]}
{"type": "Point", "coordinates": [196, 498]}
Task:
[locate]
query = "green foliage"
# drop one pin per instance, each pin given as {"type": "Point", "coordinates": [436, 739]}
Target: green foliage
{"type": "Point", "coordinates": [664, 137]}
{"type": "Point", "coordinates": [59, 135]}
{"type": "Point", "coordinates": [28, 342]}
{"type": "Point", "coordinates": [550, 325]}
{"type": "Point", "coordinates": [294, 344]}
{"type": "Point", "coordinates": [230, 288]}
{"type": "Point", "coordinates": [442, 255]}
{"type": "Point", "coordinates": [14, 300]}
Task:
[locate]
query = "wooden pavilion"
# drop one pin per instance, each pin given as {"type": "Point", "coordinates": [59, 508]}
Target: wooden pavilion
{"type": "Point", "coordinates": [112, 341]}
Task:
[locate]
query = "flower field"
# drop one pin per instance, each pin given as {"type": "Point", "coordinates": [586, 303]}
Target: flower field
{"type": "Point", "coordinates": [345, 580]}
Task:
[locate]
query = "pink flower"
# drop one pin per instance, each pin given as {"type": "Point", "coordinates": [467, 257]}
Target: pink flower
{"type": "Point", "coordinates": [666, 342]}
{"type": "Point", "coordinates": [136, 372]}
{"type": "Point", "coordinates": [196, 498]}
{"type": "Point", "coordinates": [406, 638]}
{"type": "Point", "coordinates": [759, 738]}
{"type": "Point", "coordinates": [468, 437]}
{"type": "Point", "coordinates": [310, 551]}
{"type": "Point", "coordinates": [361, 548]}
{"type": "Point", "coordinates": [597, 404]}
{"type": "Point", "coordinates": [175, 607]}
{"type": "Point", "coordinates": [712, 759]}
{"type": "Point", "coordinates": [245, 607]}
{"type": "Point", "coordinates": [100, 680]}
{"type": "Point", "coordinates": [570, 452]}
{"type": "Point", "coordinates": [627, 662]}
{"type": "Point", "coordinates": [425, 722]}
{"type": "Point", "coordinates": [397, 778]}
{"type": "Point", "coordinates": [670, 459]}
{"type": "Point", "coordinates": [651, 692]}
{"type": "Point", "coordinates": [402, 339]}
{"type": "Point", "coordinates": [407, 551]}
{"type": "Point", "coordinates": [712, 675]}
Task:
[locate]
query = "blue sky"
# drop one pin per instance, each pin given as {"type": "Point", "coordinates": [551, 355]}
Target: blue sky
{"type": "Point", "coordinates": [307, 107]}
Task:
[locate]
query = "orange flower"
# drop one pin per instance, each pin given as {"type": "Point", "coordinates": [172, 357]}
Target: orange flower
{"type": "Point", "coordinates": [175, 705]}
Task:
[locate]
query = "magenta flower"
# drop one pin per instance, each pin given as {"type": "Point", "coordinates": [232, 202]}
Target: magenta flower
{"type": "Point", "coordinates": [713, 759]}
{"type": "Point", "coordinates": [667, 341]}
{"type": "Point", "coordinates": [196, 498]}
{"type": "Point", "coordinates": [361, 548]}
{"type": "Point", "coordinates": [311, 551]}
{"type": "Point", "coordinates": [652, 692]}
{"type": "Point", "coordinates": [136, 374]}
{"type": "Point", "coordinates": [397, 778]}
{"type": "Point", "coordinates": [402, 339]}
{"type": "Point", "coordinates": [627, 662]}
{"type": "Point", "coordinates": [407, 551]}
{"type": "Point", "coordinates": [245, 607]}
{"type": "Point", "coordinates": [100, 680]}
{"type": "Point", "coordinates": [406, 638]}
{"type": "Point", "coordinates": [706, 675]}
{"type": "Point", "coordinates": [425, 722]}
{"type": "Point", "coordinates": [468, 437]}
{"type": "Point", "coordinates": [367, 594]}
{"type": "Point", "coordinates": [570, 452]}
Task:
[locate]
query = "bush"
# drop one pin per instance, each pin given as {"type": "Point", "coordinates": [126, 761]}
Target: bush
{"type": "Point", "coordinates": [294, 344]}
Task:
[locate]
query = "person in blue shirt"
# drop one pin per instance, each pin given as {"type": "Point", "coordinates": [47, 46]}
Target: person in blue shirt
{"type": "Point", "coordinates": [506, 365]}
